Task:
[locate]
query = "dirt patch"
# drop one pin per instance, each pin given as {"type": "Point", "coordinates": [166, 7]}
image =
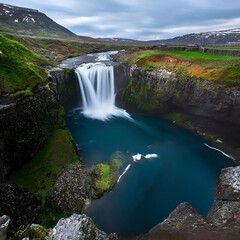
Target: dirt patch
{"type": "Point", "coordinates": [60, 48]}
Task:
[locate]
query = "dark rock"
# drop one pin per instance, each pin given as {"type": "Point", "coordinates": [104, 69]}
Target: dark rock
{"type": "Point", "coordinates": [228, 185]}
{"type": "Point", "coordinates": [183, 221]}
{"type": "Point", "coordinates": [159, 90]}
{"type": "Point", "coordinates": [78, 227]}
{"type": "Point", "coordinates": [4, 222]}
{"type": "Point", "coordinates": [225, 214]}
{"type": "Point", "coordinates": [21, 206]}
{"type": "Point", "coordinates": [69, 190]}
{"type": "Point", "coordinates": [27, 120]}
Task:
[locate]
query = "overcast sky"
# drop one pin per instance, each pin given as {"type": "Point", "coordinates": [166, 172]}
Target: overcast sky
{"type": "Point", "coordinates": [139, 19]}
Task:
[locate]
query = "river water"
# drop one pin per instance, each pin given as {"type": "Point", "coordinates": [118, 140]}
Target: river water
{"type": "Point", "coordinates": [164, 165]}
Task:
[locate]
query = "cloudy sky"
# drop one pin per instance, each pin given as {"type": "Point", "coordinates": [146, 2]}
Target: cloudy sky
{"type": "Point", "coordinates": [139, 19]}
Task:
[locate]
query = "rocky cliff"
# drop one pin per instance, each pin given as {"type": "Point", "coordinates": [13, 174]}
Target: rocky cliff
{"type": "Point", "coordinates": [26, 119]}
{"type": "Point", "coordinates": [202, 106]}
{"type": "Point", "coordinates": [162, 89]}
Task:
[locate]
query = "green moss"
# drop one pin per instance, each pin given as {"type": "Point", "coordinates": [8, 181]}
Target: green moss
{"type": "Point", "coordinates": [19, 67]}
{"type": "Point", "coordinates": [26, 92]}
{"type": "Point", "coordinates": [175, 117]}
{"type": "Point", "coordinates": [39, 175]}
{"type": "Point", "coordinates": [102, 179]}
{"type": "Point", "coordinates": [229, 76]}
{"type": "Point", "coordinates": [61, 123]}
{"type": "Point", "coordinates": [68, 72]}
{"type": "Point", "coordinates": [140, 97]}
{"type": "Point", "coordinates": [50, 217]}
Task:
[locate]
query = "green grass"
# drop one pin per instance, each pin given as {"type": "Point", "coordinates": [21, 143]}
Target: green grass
{"type": "Point", "coordinates": [175, 117]}
{"type": "Point", "coordinates": [39, 175]}
{"type": "Point", "coordinates": [204, 59]}
{"type": "Point", "coordinates": [225, 48]}
{"type": "Point", "coordinates": [230, 76]}
{"type": "Point", "coordinates": [19, 67]}
{"type": "Point", "coordinates": [107, 176]}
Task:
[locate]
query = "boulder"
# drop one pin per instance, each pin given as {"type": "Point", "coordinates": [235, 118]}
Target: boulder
{"type": "Point", "coordinates": [69, 190]}
{"type": "Point", "coordinates": [225, 214]}
{"type": "Point", "coordinates": [228, 185]}
{"type": "Point", "coordinates": [78, 227]}
{"type": "Point", "coordinates": [184, 222]}
{"type": "Point", "coordinates": [4, 222]}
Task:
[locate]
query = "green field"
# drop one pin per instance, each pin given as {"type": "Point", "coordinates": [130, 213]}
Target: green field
{"type": "Point", "coordinates": [204, 59]}
{"type": "Point", "coordinates": [226, 48]}
{"type": "Point", "coordinates": [220, 69]}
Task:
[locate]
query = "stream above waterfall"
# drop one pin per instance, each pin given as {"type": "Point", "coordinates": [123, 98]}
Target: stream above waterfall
{"type": "Point", "coordinates": [163, 165]}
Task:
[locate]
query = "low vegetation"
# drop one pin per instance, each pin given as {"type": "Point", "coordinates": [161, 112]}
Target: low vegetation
{"type": "Point", "coordinates": [217, 68]}
{"type": "Point", "coordinates": [20, 68]}
{"type": "Point", "coordinates": [102, 179]}
{"type": "Point", "coordinates": [59, 49]}
{"type": "Point", "coordinates": [39, 175]}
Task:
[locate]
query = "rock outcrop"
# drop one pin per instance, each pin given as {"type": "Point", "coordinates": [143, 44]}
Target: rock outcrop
{"type": "Point", "coordinates": [222, 221]}
{"type": "Point", "coordinates": [27, 119]}
{"type": "Point", "coordinates": [225, 212]}
{"type": "Point", "coordinates": [102, 178]}
{"type": "Point", "coordinates": [22, 206]}
{"type": "Point", "coordinates": [69, 190]}
{"type": "Point", "coordinates": [78, 227]}
{"type": "Point", "coordinates": [162, 89]}
{"type": "Point", "coordinates": [4, 222]}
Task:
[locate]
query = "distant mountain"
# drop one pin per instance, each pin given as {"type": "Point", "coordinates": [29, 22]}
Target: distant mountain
{"type": "Point", "coordinates": [122, 40]}
{"type": "Point", "coordinates": [229, 37]}
{"type": "Point", "coordinates": [30, 22]}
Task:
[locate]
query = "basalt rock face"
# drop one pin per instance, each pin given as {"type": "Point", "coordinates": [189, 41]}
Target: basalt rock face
{"type": "Point", "coordinates": [79, 227]}
{"type": "Point", "coordinates": [27, 120]}
{"type": "Point", "coordinates": [225, 212]}
{"type": "Point", "coordinates": [160, 90]}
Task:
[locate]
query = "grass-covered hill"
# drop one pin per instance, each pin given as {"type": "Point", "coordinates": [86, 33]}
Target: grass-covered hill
{"type": "Point", "coordinates": [58, 49]}
{"type": "Point", "coordinates": [20, 68]}
{"type": "Point", "coordinates": [216, 68]}
{"type": "Point", "coordinates": [23, 58]}
{"type": "Point", "coordinates": [27, 21]}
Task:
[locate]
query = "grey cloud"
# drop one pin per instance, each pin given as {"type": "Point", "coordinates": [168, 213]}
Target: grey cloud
{"type": "Point", "coordinates": [139, 19]}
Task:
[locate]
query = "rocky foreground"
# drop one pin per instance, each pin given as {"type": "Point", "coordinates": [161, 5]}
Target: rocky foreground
{"type": "Point", "coordinates": [222, 221]}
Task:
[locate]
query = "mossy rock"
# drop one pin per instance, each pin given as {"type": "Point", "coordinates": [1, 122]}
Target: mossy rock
{"type": "Point", "coordinates": [102, 179]}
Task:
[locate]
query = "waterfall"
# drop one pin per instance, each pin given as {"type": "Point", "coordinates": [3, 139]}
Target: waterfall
{"type": "Point", "coordinates": [96, 83]}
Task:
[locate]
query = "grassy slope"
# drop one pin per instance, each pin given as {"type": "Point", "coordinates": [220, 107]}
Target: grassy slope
{"type": "Point", "coordinates": [221, 69]}
{"type": "Point", "coordinates": [39, 175]}
{"type": "Point", "coordinates": [58, 49]}
{"type": "Point", "coordinates": [19, 67]}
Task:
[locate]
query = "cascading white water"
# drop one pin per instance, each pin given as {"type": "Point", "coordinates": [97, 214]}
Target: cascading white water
{"type": "Point", "coordinates": [96, 82]}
